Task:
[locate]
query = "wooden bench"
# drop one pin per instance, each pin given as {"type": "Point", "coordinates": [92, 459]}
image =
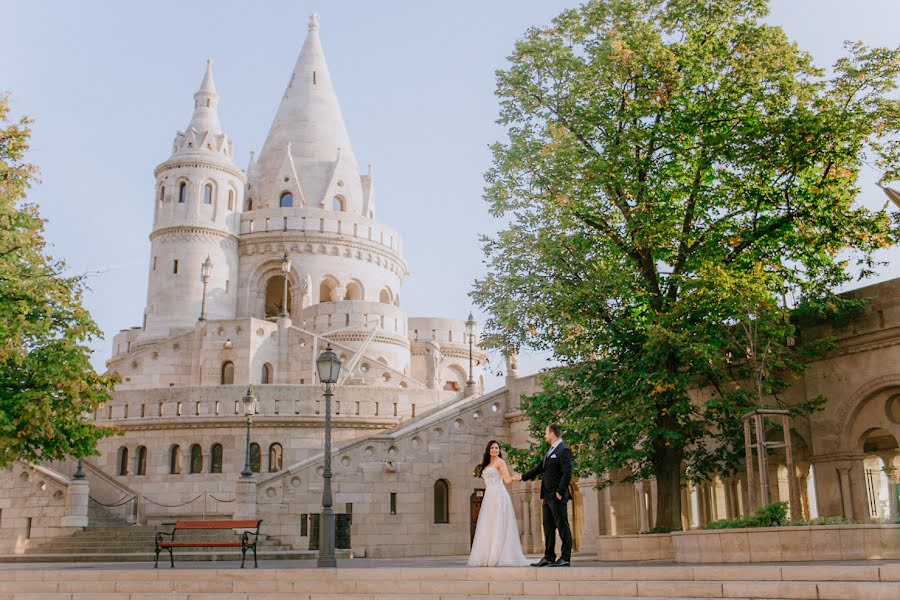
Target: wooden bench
{"type": "Point", "coordinates": [251, 528]}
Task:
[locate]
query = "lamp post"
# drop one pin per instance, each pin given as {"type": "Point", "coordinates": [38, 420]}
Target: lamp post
{"type": "Point", "coordinates": [285, 269]}
{"type": "Point", "coordinates": [205, 270]}
{"type": "Point", "coordinates": [329, 367]}
{"type": "Point", "coordinates": [249, 409]}
{"type": "Point", "coordinates": [470, 333]}
{"type": "Point", "coordinates": [79, 470]}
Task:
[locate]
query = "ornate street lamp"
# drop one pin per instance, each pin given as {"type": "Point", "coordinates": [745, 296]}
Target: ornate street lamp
{"type": "Point", "coordinates": [249, 410]}
{"type": "Point", "coordinates": [470, 333]}
{"type": "Point", "coordinates": [285, 268]}
{"type": "Point", "coordinates": [329, 367]}
{"type": "Point", "coordinates": [205, 270]}
{"type": "Point", "coordinates": [79, 470]}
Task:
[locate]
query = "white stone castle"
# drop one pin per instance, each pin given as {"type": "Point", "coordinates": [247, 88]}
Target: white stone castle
{"type": "Point", "coordinates": [252, 274]}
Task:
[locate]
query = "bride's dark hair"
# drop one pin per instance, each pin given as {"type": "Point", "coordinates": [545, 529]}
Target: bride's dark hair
{"type": "Point", "coordinates": [486, 459]}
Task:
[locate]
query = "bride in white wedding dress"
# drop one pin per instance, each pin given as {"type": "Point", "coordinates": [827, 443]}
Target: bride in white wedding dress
{"type": "Point", "coordinates": [496, 542]}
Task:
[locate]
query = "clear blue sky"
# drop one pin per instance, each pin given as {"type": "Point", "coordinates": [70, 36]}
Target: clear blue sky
{"type": "Point", "coordinates": [109, 84]}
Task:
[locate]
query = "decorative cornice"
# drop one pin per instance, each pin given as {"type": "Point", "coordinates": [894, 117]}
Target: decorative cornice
{"type": "Point", "coordinates": [291, 240]}
{"type": "Point", "coordinates": [192, 233]}
{"type": "Point", "coordinates": [193, 162]}
{"type": "Point", "coordinates": [233, 421]}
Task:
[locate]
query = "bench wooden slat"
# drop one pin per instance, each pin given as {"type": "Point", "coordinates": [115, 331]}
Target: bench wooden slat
{"type": "Point", "coordinates": [216, 524]}
{"type": "Point", "coordinates": [200, 544]}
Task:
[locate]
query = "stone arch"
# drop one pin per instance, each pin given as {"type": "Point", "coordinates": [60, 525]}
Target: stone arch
{"type": "Point", "coordinates": [868, 409]}
{"type": "Point", "coordinates": [275, 296]}
{"type": "Point", "coordinates": [454, 378]}
{"type": "Point", "coordinates": [328, 287]}
{"type": "Point", "coordinates": [339, 203]}
{"type": "Point", "coordinates": [355, 290]}
{"type": "Point", "coordinates": [385, 296]}
{"type": "Point", "coordinates": [267, 270]}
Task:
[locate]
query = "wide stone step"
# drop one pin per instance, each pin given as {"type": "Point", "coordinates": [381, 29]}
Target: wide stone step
{"type": "Point", "coordinates": [878, 581]}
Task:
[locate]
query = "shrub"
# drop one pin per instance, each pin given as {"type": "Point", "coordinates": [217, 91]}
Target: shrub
{"type": "Point", "coordinates": [773, 515]}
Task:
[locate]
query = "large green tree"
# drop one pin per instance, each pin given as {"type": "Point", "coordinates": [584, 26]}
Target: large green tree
{"type": "Point", "coordinates": [673, 169]}
{"type": "Point", "coordinates": [47, 383]}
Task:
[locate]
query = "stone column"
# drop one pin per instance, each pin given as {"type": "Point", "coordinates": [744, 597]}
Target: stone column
{"type": "Point", "coordinates": [245, 506]}
{"type": "Point", "coordinates": [281, 371]}
{"type": "Point", "coordinates": [803, 485]}
{"type": "Point", "coordinates": [590, 530]}
{"type": "Point", "coordinates": [685, 509]}
{"type": "Point", "coordinates": [605, 509]}
{"type": "Point", "coordinates": [846, 498]}
{"type": "Point", "coordinates": [76, 504]}
{"type": "Point", "coordinates": [730, 507]}
{"type": "Point", "coordinates": [643, 518]}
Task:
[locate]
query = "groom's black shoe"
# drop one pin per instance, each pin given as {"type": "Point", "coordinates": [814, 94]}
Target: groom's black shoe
{"type": "Point", "coordinates": [543, 563]}
{"type": "Point", "coordinates": [561, 563]}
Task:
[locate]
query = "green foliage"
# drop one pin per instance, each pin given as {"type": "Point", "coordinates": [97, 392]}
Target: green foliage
{"type": "Point", "coordinates": [47, 382]}
{"type": "Point", "coordinates": [823, 521]}
{"type": "Point", "coordinates": [773, 515]}
{"type": "Point", "coordinates": [673, 170]}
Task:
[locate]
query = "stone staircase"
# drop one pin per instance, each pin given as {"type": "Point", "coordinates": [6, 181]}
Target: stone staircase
{"type": "Point", "coordinates": [841, 581]}
{"type": "Point", "coordinates": [109, 538]}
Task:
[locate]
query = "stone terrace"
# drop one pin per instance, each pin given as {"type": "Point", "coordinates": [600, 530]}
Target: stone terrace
{"type": "Point", "coordinates": [449, 579]}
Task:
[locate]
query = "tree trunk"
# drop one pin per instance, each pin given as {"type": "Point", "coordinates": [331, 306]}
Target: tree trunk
{"type": "Point", "coordinates": [667, 464]}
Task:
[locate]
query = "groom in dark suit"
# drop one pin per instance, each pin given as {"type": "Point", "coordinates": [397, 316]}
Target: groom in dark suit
{"type": "Point", "coordinates": [555, 470]}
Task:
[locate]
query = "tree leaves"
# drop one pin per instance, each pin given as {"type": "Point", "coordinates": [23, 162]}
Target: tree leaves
{"type": "Point", "coordinates": [47, 384]}
{"type": "Point", "coordinates": [672, 170]}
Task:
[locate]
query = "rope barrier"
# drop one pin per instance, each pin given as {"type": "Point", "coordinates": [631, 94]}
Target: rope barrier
{"type": "Point", "coordinates": [172, 505]}
{"type": "Point", "coordinates": [125, 499]}
{"type": "Point", "coordinates": [222, 501]}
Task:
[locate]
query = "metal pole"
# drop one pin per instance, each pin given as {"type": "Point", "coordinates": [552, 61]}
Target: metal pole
{"type": "Point", "coordinates": [247, 472]}
{"type": "Point", "coordinates": [203, 301]}
{"type": "Point", "coordinates": [471, 380]}
{"type": "Point", "coordinates": [326, 525]}
{"type": "Point", "coordinates": [79, 470]}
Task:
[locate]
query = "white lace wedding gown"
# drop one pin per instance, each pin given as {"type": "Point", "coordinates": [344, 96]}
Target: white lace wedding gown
{"type": "Point", "coordinates": [496, 542]}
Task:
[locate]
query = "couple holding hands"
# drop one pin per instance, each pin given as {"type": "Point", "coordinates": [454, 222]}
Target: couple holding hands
{"type": "Point", "coordinates": [496, 542]}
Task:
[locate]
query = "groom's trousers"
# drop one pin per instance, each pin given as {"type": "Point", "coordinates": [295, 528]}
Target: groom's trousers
{"type": "Point", "coordinates": [556, 518]}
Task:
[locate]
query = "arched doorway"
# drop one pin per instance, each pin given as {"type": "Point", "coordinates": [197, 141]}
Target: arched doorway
{"type": "Point", "coordinates": [275, 296]}
{"type": "Point", "coordinates": [881, 452]}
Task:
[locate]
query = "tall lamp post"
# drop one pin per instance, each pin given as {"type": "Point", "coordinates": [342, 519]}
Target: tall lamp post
{"type": "Point", "coordinates": [329, 367]}
{"type": "Point", "coordinates": [470, 333]}
{"type": "Point", "coordinates": [285, 269]}
{"type": "Point", "coordinates": [205, 270]}
{"type": "Point", "coordinates": [249, 410]}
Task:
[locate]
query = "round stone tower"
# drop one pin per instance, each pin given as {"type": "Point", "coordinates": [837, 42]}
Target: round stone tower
{"type": "Point", "coordinates": [199, 196]}
{"type": "Point", "coordinates": [306, 198]}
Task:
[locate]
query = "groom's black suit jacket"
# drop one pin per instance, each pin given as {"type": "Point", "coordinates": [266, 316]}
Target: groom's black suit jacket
{"type": "Point", "coordinates": [556, 472]}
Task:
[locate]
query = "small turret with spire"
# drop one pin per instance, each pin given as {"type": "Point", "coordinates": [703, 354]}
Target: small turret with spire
{"type": "Point", "coordinates": [203, 133]}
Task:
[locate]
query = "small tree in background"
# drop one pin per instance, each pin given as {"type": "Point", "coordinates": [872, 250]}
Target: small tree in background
{"type": "Point", "coordinates": [47, 383]}
{"type": "Point", "coordinates": [672, 169]}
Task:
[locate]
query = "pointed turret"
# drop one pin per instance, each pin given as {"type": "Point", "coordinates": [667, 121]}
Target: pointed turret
{"type": "Point", "coordinates": [307, 151]}
{"type": "Point", "coordinates": [204, 132]}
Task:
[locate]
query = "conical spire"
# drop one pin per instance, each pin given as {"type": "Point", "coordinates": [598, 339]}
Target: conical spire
{"type": "Point", "coordinates": [309, 116]}
{"type": "Point", "coordinates": [203, 133]}
{"type": "Point", "coordinates": [206, 103]}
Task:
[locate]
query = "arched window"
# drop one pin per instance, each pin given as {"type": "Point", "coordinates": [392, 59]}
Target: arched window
{"type": "Point", "coordinates": [123, 461]}
{"type": "Point", "coordinates": [286, 200]}
{"type": "Point", "coordinates": [265, 375]}
{"type": "Point", "coordinates": [230, 199]}
{"type": "Point", "coordinates": [162, 194]}
{"type": "Point", "coordinates": [326, 289]}
{"type": "Point", "coordinates": [275, 454]}
{"type": "Point", "coordinates": [182, 193]}
{"type": "Point", "coordinates": [196, 459]}
{"type": "Point", "coordinates": [385, 296]}
{"type": "Point", "coordinates": [207, 193]}
{"type": "Point", "coordinates": [141, 466]}
{"type": "Point", "coordinates": [175, 460]}
{"type": "Point", "coordinates": [354, 291]}
{"type": "Point", "coordinates": [250, 204]}
{"type": "Point", "coordinates": [441, 501]}
{"type": "Point", "coordinates": [337, 203]}
{"type": "Point", "coordinates": [215, 460]}
{"type": "Point", "coordinates": [255, 458]}
{"type": "Point", "coordinates": [228, 373]}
